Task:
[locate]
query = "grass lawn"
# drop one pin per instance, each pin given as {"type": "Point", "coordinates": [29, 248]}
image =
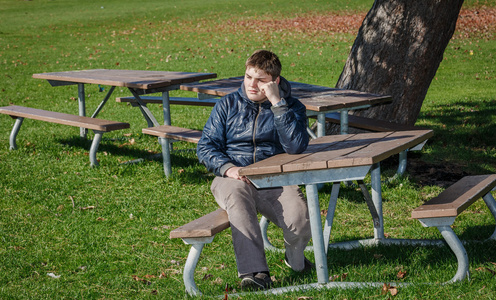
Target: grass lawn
{"type": "Point", "coordinates": [71, 231]}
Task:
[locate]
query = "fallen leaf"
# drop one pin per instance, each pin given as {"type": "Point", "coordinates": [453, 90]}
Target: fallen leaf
{"type": "Point", "coordinates": [53, 275]}
{"type": "Point", "coordinates": [218, 280]}
{"type": "Point", "coordinates": [385, 289]}
{"type": "Point", "coordinates": [207, 276]}
{"type": "Point", "coordinates": [401, 274]}
{"type": "Point", "coordinates": [393, 291]}
{"type": "Point", "coordinates": [142, 280]}
{"type": "Point", "coordinates": [334, 277]}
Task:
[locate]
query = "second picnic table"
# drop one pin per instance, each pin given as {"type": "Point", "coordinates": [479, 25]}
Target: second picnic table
{"type": "Point", "coordinates": [318, 100]}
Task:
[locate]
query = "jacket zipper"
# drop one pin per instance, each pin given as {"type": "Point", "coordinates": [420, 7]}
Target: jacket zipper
{"type": "Point", "coordinates": [255, 133]}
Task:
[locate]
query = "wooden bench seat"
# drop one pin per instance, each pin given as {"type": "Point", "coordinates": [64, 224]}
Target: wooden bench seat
{"type": "Point", "coordinates": [174, 133]}
{"type": "Point", "coordinates": [165, 133]}
{"type": "Point", "coordinates": [99, 126]}
{"type": "Point", "coordinates": [197, 233]}
{"type": "Point", "coordinates": [172, 100]}
{"type": "Point", "coordinates": [442, 210]}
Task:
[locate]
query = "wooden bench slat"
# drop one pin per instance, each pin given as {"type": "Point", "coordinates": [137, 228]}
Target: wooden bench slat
{"type": "Point", "coordinates": [62, 118]}
{"type": "Point", "coordinates": [175, 133]}
{"type": "Point", "coordinates": [370, 124]}
{"type": "Point", "coordinates": [205, 226]}
{"type": "Point", "coordinates": [456, 198]}
{"type": "Point", "coordinates": [172, 100]}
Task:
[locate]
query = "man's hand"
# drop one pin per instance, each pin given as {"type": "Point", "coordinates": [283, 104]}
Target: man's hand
{"type": "Point", "coordinates": [234, 173]}
{"type": "Point", "coordinates": [271, 91]}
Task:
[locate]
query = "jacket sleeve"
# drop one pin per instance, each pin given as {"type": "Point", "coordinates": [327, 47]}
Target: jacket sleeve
{"type": "Point", "coordinates": [291, 125]}
{"type": "Point", "coordinates": [211, 149]}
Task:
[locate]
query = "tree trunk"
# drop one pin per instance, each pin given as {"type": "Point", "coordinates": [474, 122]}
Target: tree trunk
{"type": "Point", "coordinates": [397, 52]}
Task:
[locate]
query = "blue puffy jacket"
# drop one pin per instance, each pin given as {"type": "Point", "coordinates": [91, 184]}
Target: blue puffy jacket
{"type": "Point", "coordinates": [240, 132]}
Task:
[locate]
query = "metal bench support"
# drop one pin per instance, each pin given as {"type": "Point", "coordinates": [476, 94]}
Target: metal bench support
{"type": "Point", "coordinates": [191, 262]}
{"type": "Point", "coordinates": [443, 224]}
{"type": "Point", "coordinates": [14, 132]}
{"type": "Point", "coordinates": [94, 147]}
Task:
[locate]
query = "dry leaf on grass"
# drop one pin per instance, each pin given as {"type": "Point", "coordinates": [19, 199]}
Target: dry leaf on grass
{"type": "Point", "coordinates": [142, 280]}
{"type": "Point", "coordinates": [401, 274]}
{"type": "Point", "coordinates": [388, 288]}
{"type": "Point", "coordinates": [53, 275]}
{"type": "Point", "coordinates": [207, 276]}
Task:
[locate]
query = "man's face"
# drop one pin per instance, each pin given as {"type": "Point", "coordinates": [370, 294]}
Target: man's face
{"type": "Point", "coordinates": [254, 78]}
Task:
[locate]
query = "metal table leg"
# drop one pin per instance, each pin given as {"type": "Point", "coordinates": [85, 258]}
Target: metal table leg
{"type": "Point", "coordinates": [317, 234]}
{"type": "Point", "coordinates": [82, 108]}
{"type": "Point", "coordinates": [491, 204]}
{"type": "Point", "coordinates": [375, 174]}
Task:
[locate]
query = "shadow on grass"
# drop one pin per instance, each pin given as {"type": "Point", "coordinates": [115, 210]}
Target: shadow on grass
{"type": "Point", "coordinates": [184, 161]}
{"type": "Point", "coordinates": [463, 134]}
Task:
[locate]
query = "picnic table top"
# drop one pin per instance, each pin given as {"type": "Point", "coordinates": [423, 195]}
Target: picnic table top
{"type": "Point", "coordinates": [138, 79]}
{"type": "Point", "coordinates": [314, 97]}
{"type": "Point", "coordinates": [340, 151]}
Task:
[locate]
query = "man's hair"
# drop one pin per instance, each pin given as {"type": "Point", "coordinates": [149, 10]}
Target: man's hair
{"type": "Point", "coordinates": [266, 61]}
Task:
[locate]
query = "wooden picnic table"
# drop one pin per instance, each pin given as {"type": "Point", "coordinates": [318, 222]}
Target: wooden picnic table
{"type": "Point", "coordinates": [335, 159]}
{"type": "Point", "coordinates": [318, 100]}
{"type": "Point", "coordinates": [137, 81]}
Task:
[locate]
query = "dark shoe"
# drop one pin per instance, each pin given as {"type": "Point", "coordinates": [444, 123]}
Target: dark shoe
{"type": "Point", "coordinates": [309, 266]}
{"type": "Point", "coordinates": [260, 281]}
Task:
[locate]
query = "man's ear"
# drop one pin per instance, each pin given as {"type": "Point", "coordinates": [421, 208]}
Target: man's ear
{"type": "Point", "coordinates": [278, 79]}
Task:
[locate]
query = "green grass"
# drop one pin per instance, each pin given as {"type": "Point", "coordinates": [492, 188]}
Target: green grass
{"type": "Point", "coordinates": [105, 230]}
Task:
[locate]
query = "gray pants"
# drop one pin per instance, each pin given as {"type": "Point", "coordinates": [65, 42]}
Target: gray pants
{"type": "Point", "coordinates": [285, 207]}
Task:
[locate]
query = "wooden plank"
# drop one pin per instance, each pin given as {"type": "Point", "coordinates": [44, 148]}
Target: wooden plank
{"type": "Point", "coordinates": [392, 143]}
{"type": "Point", "coordinates": [274, 165]}
{"type": "Point", "coordinates": [62, 118]}
{"type": "Point", "coordinates": [220, 87]}
{"type": "Point", "coordinates": [347, 157]}
{"type": "Point", "coordinates": [340, 145]}
{"type": "Point", "coordinates": [172, 100]}
{"type": "Point", "coordinates": [175, 133]}
{"type": "Point", "coordinates": [456, 198]}
{"type": "Point", "coordinates": [126, 78]}
{"type": "Point", "coordinates": [206, 226]}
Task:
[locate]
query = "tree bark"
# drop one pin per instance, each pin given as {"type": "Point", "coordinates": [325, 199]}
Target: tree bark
{"type": "Point", "coordinates": [397, 52]}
